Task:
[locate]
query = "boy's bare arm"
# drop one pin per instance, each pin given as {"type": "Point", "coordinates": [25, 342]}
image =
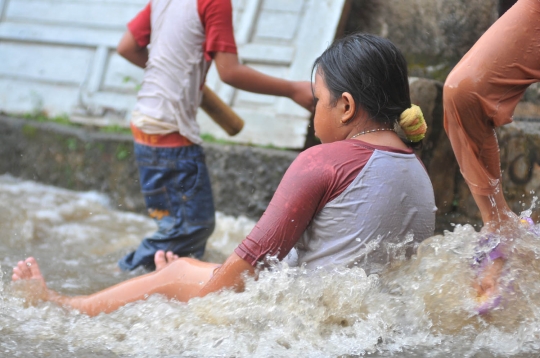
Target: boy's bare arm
{"type": "Point", "coordinates": [131, 51]}
{"type": "Point", "coordinates": [232, 72]}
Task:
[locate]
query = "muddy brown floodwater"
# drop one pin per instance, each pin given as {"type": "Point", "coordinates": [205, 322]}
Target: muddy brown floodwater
{"type": "Point", "coordinates": [419, 307]}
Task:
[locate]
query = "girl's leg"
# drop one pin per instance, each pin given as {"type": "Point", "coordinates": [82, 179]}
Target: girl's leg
{"type": "Point", "coordinates": [482, 92]}
{"type": "Point", "coordinates": [180, 280]}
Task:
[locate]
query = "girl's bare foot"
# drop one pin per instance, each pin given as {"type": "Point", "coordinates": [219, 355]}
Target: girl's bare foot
{"type": "Point", "coordinates": [27, 272]}
{"type": "Point", "coordinates": [162, 259]}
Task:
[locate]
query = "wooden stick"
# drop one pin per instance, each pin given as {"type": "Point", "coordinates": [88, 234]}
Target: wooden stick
{"type": "Point", "coordinates": [222, 114]}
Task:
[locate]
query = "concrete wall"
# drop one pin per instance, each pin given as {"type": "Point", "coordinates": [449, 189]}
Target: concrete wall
{"type": "Point", "coordinates": [433, 34]}
{"type": "Point", "coordinates": [243, 178]}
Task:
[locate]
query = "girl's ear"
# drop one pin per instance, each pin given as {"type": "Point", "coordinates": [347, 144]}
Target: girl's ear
{"type": "Point", "coordinates": [348, 107]}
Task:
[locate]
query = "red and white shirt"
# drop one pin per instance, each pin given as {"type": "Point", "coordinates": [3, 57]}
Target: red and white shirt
{"type": "Point", "coordinates": [345, 203]}
{"type": "Point", "coordinates": [182, 37]}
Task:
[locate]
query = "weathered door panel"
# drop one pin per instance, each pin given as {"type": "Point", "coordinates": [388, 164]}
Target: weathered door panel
{"type": "Point", "coordinates": [58, 56]}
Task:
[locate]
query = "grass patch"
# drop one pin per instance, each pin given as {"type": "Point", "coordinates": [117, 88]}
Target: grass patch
{"type": "Point", "coordinates": [63, 119]}
{"type": "Point", "coordinates": [71, 144]}
{"type": "Point", "coordinates": [29, 131]}
{"type": "Point", "coordinates": [208, 138]}
{"type": "Point", "coordinates": [43, 117]}
{"type": "Point", "coordinates": [115, 128]}
{"type": "Point", "coordinates": [122, 151]}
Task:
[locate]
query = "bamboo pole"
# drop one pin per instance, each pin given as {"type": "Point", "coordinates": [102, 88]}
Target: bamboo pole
{"type": "Point", "coordinates": [222, 114]}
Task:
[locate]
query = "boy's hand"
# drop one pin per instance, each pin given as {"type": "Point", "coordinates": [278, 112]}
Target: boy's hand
{"type": "Point", "coordinates": [303, 95]}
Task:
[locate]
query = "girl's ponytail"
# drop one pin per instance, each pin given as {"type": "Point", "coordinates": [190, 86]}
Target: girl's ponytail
{"type": "Point", "coordinates": [413, 124]}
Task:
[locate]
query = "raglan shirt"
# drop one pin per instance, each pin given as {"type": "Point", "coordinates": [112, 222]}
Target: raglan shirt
{"type": "Point", "coordinates": [182, 37]}
{"type": "Point", "coordinates": [338, 203]}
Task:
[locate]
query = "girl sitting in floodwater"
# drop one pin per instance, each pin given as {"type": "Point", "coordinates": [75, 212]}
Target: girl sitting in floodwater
{"type": "Point", "coordinates": [339, 203]}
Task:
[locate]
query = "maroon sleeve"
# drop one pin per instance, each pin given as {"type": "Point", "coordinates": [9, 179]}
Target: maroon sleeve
{"type": "Point", "coordinates": [316, 177]}
{"type": "Point", "coordinates": [140, 27]}
{"type": "Point", "coordinates": [216, 17]}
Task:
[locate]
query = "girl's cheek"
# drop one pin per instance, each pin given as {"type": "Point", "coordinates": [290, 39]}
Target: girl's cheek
{"type": "Point", "coordinates": [316, 125]}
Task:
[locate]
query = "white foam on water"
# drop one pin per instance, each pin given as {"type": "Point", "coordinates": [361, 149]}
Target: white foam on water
{"type": "Point", "coordinates": [424, 306]}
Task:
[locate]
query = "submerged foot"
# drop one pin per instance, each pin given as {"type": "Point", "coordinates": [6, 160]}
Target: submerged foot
{"type": "Point", "coordinates": [162, 259]}
{"type": "Point", "coordinates": [488, 287]}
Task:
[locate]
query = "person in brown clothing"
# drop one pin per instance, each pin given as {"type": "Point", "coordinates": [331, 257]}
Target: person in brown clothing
{"type": "Point", "coordinates": [481, 94]}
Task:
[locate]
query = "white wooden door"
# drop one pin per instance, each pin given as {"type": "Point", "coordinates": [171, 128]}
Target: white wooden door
{"type": "Point", "coordinates": [58, 56]}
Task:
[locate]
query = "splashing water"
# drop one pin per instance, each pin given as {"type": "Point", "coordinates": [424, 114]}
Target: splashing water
{"type": "Point", "coordinates": [424, 306]}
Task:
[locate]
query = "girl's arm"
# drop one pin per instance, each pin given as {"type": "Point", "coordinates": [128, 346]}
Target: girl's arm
{"type": "Point", "coordinates": [233, 73]}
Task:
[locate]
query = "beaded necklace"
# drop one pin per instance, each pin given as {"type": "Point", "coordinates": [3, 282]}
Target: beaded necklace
{"type": "Point", "coordinates": [371, 131]}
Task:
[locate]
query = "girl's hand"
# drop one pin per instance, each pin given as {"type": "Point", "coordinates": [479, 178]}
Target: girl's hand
{"type": "Point", "coordinates": [303, 95]}
{"type": "Point", "coordinates": [228, 275]}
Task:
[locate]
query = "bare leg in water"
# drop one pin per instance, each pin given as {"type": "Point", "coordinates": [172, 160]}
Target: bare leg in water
{"type": "Point", "coordinates": [494, 210]}
{"type": "Point", "coordinates": [498, 218]}
{"type": "Point", "coordinates": [180, 279]}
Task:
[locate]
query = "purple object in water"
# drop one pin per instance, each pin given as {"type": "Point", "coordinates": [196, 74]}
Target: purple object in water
{"type": "Point", "coordinates": [488, 250]}
{"type": "Point", "coordinates": [489, 304]}
{"type": "Point", "coordinates": [483, 258]}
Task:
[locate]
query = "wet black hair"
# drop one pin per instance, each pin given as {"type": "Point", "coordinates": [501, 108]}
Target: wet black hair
{"type": "Point", "coordinates": [372, 70]}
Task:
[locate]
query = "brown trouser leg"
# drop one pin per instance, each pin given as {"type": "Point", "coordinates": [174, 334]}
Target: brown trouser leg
{"type": "Point", "coordinates": [483, 90]}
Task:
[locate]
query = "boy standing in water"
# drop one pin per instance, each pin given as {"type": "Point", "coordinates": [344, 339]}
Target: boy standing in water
{"type": "Point", "coordinates": [175, 42]}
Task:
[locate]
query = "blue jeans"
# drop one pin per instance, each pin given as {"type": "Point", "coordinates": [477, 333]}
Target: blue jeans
{"type": "Point", "coordinates": [178, 196]}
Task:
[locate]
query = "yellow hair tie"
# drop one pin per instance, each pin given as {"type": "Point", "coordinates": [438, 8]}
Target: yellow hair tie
{"type": "Point", "coordinates": [413, 124]}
